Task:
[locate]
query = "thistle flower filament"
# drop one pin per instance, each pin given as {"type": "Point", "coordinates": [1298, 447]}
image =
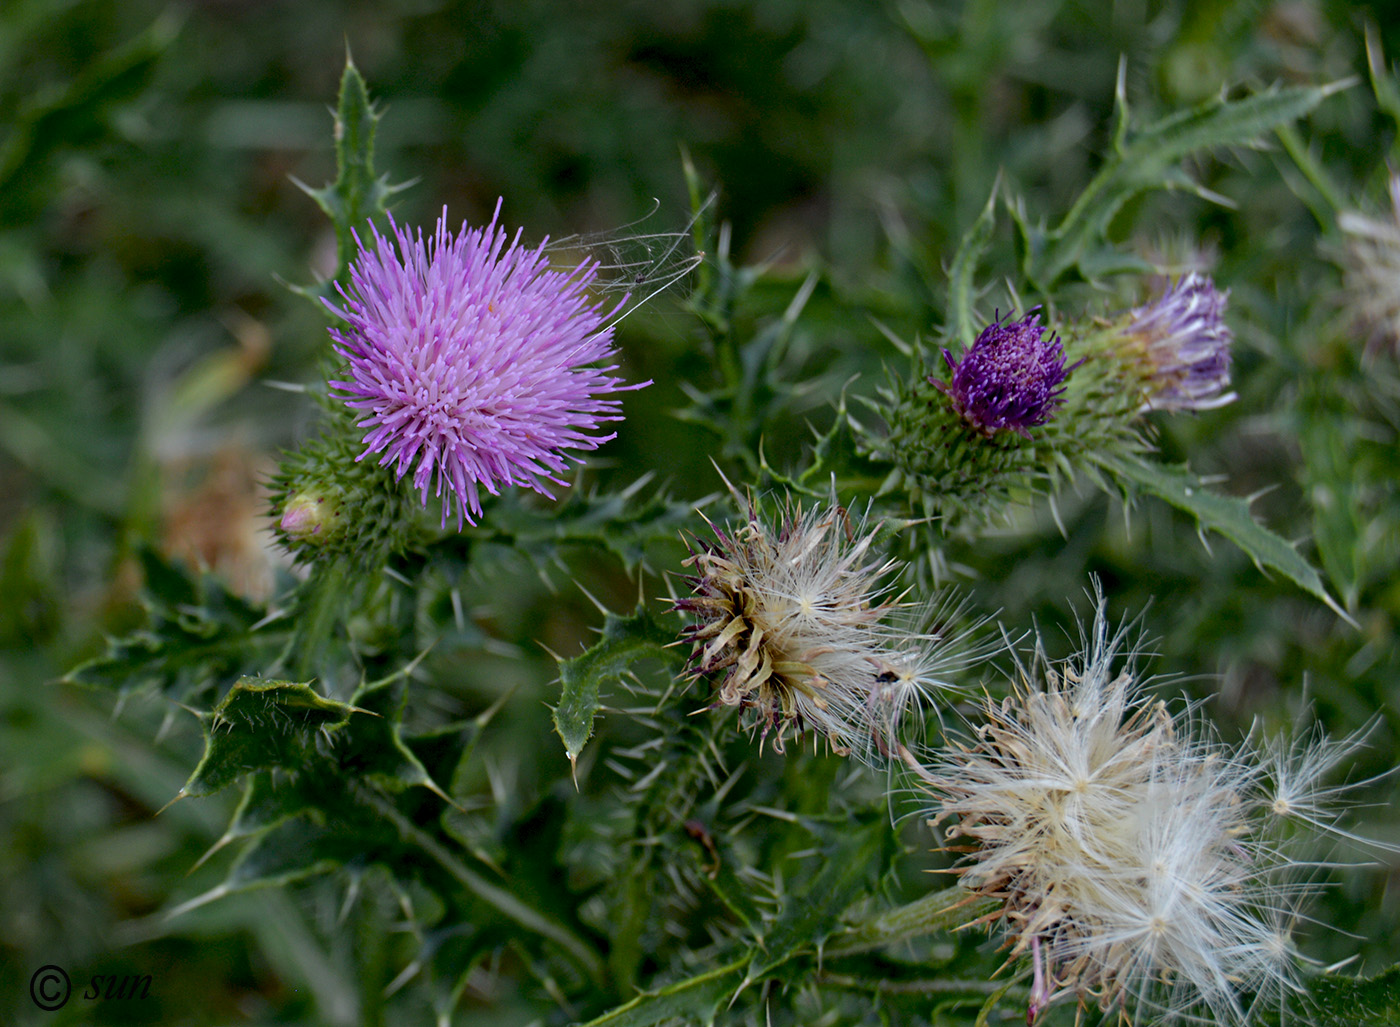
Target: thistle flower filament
{"type": "Point", "coordinates": [471, 361]}
{"type": "Point", "coordinates": [1183, 344]}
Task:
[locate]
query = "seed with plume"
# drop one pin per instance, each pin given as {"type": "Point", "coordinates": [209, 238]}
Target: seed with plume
{"type": "Point", "coordinates": [1135, 861]}
{"type": "Point", "coordinates": [472, 361]}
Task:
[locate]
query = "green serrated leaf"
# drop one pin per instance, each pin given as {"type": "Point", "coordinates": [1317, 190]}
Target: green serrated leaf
{"type": "Point", "coordinates": [1225, 515]}
{"type": "Point", "coordinates": [960, 274]}
{"type": "Point", "coordinates": [693, 1000]}
{"type": "Point", "coordinates": [625, 640]}
{"type": "Point", "coordinates": [1357, 1001]}
{"type": "Point", "coordinates": [198, 635]}
{"type": "Point", "coordinates": [262, 725]}
{"type": "Point", "coordinates": [1148, 160]}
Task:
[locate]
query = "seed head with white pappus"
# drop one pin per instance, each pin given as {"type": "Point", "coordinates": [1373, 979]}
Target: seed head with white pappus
{"type": "Point", "coordinates": [799, 628]}
{"type": "Point", "coordinates": [471, 360]}
{"type": "Point", "coordinates": [1136, 861]}
{"type": "Point", "coordinates": [1372, 263]}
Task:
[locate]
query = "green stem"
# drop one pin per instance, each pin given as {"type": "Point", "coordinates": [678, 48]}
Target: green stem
{"type": "Point", "coordinates": [321, 602]}
{"type": "Point", "coordinates": [1314, 172]}
{"type": "Point", "coordinates": [680, 1000]}
{"type": "Point", "coordinates": [503, 901]}
{"type": "Point", "coordinates": [937, 911]}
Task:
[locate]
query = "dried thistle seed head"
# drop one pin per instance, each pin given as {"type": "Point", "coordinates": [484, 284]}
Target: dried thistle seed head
{"type": "Point", "coordinates": [1371, 261]}
{"type": "Point", "coordinates": [798, 629]}
{"type": "Point", "coordinates": [1135, 859]}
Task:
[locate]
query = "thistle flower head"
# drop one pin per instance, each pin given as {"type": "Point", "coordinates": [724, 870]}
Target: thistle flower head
{"type": "Point", "coordinates": [470, 359]}
{"type": "Point", "coordinates": [1372, 263]}
{"type": "Point", "coordinates": [1134, 859]}
{"type": "Point", "coordinates": [1012, 377]}
{"type": "Point", "coordinates": [801, 631]}
{"type": "Point", "coordinates": [1183, 346]}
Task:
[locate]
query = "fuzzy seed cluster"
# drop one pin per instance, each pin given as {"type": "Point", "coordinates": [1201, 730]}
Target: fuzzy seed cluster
{"type": "Point", "coordinates": [1137, 863]}
{"type": "Point", "coordinates": [797, 629]}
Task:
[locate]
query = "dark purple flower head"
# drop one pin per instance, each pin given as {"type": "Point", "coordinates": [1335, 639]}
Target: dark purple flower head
{"type": "Point", "coordinates": [1186, 346]}
{"type": "Point", "coordinates": [470, 358]}
{"type": "Point", "coordinates": [1012, 377]}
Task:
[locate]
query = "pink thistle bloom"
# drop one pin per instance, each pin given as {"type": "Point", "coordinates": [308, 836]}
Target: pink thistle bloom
{"type": "Point", "coordinates": [472, 358]}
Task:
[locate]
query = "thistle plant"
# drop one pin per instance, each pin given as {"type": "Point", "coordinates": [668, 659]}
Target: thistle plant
{"type": "Point", "coordinates": [477, 768]}
{"type": "Point", "coordinates": [472, 359]}
{"type": "Point", "coordinates": [1179, 345]}
{"type": "Point", "coordinates": [1012, 377]}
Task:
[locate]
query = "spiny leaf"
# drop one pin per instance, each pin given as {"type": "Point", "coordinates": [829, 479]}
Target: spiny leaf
{"type": "Point", "coordinates": [261, 725]}
{"type": "Point", "coordinates": [1223, 514]}
{"type": "Point", "coordinates": [625, 640]}
{"type": "Point", "coordinates": [693, 1000]}
{"type": "Point", "coordinates": [356, 195]}
{"type": "Point", "coordinates": [845, 867]}
{"type": "Point", "coordinates": [198, 636]}
{"type": "Point", "coordinates": [1357, 1001]}
{"type": "Point", "coordinates": [1148, 160]}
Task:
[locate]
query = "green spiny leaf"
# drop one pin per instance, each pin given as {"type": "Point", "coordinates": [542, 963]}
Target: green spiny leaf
{"type": "Point", "coordinates": [625, 640]}
{"type": "Point", "coordinates": [1223, 514]}
{"type": "Point", "coordinates": [694, 1000]}
{"type": "Point", "coordinates": [356, 195]}
{"type": "Point", "coordinates": [198, 635]}
{"type": "Point", "coordinates": [1148, 160]}
{"type": "Point", "coordinates": [846, 867]}
{"type": "Point", "coordinates": [1357, 1001]}
{"type": "Point", "coordinates": [261, 725]}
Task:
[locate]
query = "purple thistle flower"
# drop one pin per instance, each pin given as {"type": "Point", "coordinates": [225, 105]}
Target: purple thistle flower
{"type": "Point", "coordinates": [470, 358]}
{"type": "Point", "coordinates": [1012, 377]}
{"type": "Point", "coordinates": [1186, 345]}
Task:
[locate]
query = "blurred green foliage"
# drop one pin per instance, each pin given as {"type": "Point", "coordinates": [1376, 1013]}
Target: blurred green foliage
{"type": "Point", "coordinates": [149, 228]}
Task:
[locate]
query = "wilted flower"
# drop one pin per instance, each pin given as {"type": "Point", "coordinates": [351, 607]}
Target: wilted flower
{"type": "Point", "coordinates": [470, 358]}
{"type": "Point", "coordinates": [806, 633]}
{"type": "Point", "coordinates": [1012, 377]}
{"type": "Point", "coordinates": [1183, 345]}
{"type": "Point", "coordinates": [1372, 263]}
{"type": "Point", "coordinates": [1140, 863]}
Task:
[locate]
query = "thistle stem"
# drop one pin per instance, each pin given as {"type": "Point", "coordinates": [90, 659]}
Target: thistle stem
{"type": "Point", "coordinates": [936, 912]}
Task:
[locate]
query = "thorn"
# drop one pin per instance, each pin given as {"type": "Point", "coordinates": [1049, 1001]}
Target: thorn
{"type": "Point", "coordinates": [601, 608]}
{"type": "Point", "coordinates": [179, 795]}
